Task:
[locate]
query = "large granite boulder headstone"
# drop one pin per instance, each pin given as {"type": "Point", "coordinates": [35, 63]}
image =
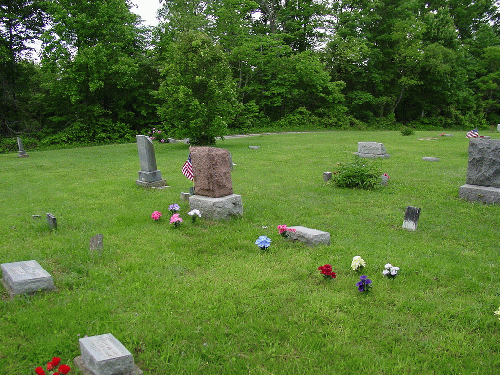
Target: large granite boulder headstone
{"type": "Point", "coordinates": [149, 175]}
{"type": "Point", "coordinates": [483, 171]}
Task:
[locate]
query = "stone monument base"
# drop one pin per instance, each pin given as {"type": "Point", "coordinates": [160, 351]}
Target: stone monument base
{"type": "Point", "coordinates": [373, 156]}
{"type": "Point", "coordinates": [86, 371]}
{"type": "Point", "coordinates": [222, 208]}
{"type": "Point", "coordinates": [153, 184]}
{"type": "Point", "coordinates": [309, 236]}
{"type": "Point", "coordinates": [476, 193]}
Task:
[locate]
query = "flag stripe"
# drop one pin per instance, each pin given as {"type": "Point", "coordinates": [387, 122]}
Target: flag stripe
{"type": "Point", "coordinates": [472, 134]}
{"type": "Point", "coordinates": [187, 168]}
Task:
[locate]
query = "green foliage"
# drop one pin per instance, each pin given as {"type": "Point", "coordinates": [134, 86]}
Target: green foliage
{"type": "Point", "coordinates": [406, 131]}
{"type": "Point", "coordinates": [362, 173]}
{"type": "Point", "coordinates": [197, 93]}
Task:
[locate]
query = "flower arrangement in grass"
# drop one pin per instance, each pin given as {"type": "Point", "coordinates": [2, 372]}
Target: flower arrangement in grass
{"type": "Point", "coordinates": [284, 230]}
{"type": "Point", "coordinates": [194, 214]}
{"type": "Point", "coordinates": [357, 263]}
{"type": "Point", "coordinates": [263, 242]}
{"type": "Point", "coordinates": [497, 313]}
{"type": "Point", "coordinates": [156, 215]}
{"type": "Point", "coordinates": [327, 272]}
{"type": "Point", "coordinates": [390, 270]}
{"type": "Point", "coordinates": [174, 208]}
{"type": "Point", "coordinates": [52, 366]}
{"type": "Point", "coordinates": [365, 284]}
{"type": "Point", "coordinates": [176, 220]}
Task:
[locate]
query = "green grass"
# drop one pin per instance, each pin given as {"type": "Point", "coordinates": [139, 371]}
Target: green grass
{"type": "Point", "coordinates": [204, 298]}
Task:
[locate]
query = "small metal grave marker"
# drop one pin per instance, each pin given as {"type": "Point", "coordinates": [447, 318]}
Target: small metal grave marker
{"type": "Point", "coordinates": [51, 221]}
{"type": "Point", "coordinates": [412, 215]}
{"type": "Point", "coordinates": [96, 244]}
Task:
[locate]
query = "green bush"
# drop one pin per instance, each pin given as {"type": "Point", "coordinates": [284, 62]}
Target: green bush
{"type": "Point", "coordinates": [406, 131]}
{"type": "Point", "coordinates": [362, 173]}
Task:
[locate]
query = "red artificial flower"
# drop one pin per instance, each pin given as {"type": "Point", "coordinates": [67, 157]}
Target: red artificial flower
{"type": "Point", "coordinates": [327, 271]}
{"type": "Point", "coordinates": [39, 371]}
{"type": "Point", "coordinates": [56, 373]}
{"type": "Point", "coordinates": [55, 361]}
{"type": "Point", "coordinates": [64, 369]}
{"type": "Point", "coordinates": [50, 366]}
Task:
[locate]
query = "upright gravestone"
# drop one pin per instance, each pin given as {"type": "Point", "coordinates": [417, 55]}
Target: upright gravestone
{"type": "Point", "coordinates": [105, 355]}
{"type": "Point", "coordinates": [483, 171]}
{"type": "Point", "coordinates": [25, 277]}
{"type": "Point", "coordinates": [149, 175]}
{"type": "Point", "coordinates": [372, 150]}
{"type": "Point", "coordinates": [51, 221]}
{"type": "Point", "coordinates": [22, 153]}
{"type": "Point", "coordinates": [213, 187]}
{"type": "Point", "coordinates": [412, 215]}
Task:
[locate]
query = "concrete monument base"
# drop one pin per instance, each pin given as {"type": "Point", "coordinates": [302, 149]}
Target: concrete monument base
{"type": "Point", "coordinates": [154, 184]}
{"type": "Point", "coordinates": [222, 208]}
{"type": "Point", "coordinates": [476, 193]}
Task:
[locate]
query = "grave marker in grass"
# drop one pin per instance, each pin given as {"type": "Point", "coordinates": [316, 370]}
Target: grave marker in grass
{"type": "Point", "coordinates": [25, 277]}
{"type": "Point", "coordinates": [22, 153]}
{"type": "Point", "coordinates": [149, 175]}
{"type": "Point", "coordinates": [412, 215]}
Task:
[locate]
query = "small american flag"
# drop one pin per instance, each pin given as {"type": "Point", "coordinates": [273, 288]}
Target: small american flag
{"type": "Point", "coordinates": [472, 134]}
{"type": "Point", "coordinates": [187, 168]}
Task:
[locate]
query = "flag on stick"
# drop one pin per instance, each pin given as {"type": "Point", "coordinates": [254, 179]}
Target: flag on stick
{"type": "Point", "coordinates": [472, 134]}
{"type": "Point", "coordinates": [187, 168]}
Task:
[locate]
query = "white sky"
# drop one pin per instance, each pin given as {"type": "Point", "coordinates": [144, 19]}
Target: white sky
{"type": "Point", "coordinates": [147, 10]}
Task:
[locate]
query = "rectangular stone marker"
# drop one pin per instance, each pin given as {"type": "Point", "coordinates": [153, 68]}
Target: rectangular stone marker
{"type": "Point", "coordinates": [412, 215]}
{"type": "Point", "coordinates": [327, 176]}
{"type": "Point", "coordinates": [223, 208]}
{"type": "Point", "coordinates": [105, 355]}
{"type": "Point", "coordinates": [25, 277]}
{"type": "Point", "coordinates": [372, 150]}
{"type": "Point", "coordinates": [149, 175]}
{"type": "Point", "coordinates": [51, 221]}
{"type": "Point", "coordinates": [310, 236]}
{"type": "Point", "coordinates": [22, 153]}
{"type": "Point", "coordinates": [212, 171]}
{"type": "Point", "coordinates": [96, 243]}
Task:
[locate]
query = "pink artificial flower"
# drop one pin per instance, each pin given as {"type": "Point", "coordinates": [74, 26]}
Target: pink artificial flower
{"type": "Point", "coordinates": [386, 175]}
{"type": "Point", "coordinates": [162, 141]}
{"type": "Point", "coordinates": [175, 219]}
{"type": "Point", "coordinates": [282, 228]}
{"type": "Point", "coordinates": [156, 215]}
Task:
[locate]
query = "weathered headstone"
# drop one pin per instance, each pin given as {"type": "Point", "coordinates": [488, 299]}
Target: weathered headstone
{"type": "Point", "coordinates": [25, 277]}
{"type": "Point", "coordinates": [327, 176]}
{"type": "Point", "coordinates": [22, 153]}
{"type": "Point", "coordinates": [96, 244]}
{"type": "Point", "coordinates": [412, 215]}
{"type": "Point", "coordinates": [372, 150]}
{"type": "Point", "coordinates": [430, 158]}
{"type": "Point", "coordinates": [254, 147]}
{"type": "Point", "coordinates": [384, 179]}
{"type": "Point", "coordinates": [213, 187]}
{"type": "Point", "coordinates": [309, 236]}
{"type": "Point", "coordinates": [185, 196]}
{"type": "Point", "coordinates": [149, 175]}
{"type": "Point", "coordinates": [105, 355]}
{"type": "Point", "coordinates": [51, 221]}
{"type": "Point", "coordinates": [483, 171]}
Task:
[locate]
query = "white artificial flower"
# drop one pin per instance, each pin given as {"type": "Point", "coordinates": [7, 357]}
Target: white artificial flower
{"type": "Point", "coordinates": [357, 262]}
{"type": "Point", "coordinates": [386, 272]}
{"type": "Point", "coordinates": [194, 212]}
{"type": "Point", "coordinates": [394, 271]}
{"type": "Point", "coordinates": [388, 265]}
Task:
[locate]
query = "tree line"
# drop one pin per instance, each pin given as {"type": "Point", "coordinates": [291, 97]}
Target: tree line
{"type": "Point", "coordinates": [101, 76]}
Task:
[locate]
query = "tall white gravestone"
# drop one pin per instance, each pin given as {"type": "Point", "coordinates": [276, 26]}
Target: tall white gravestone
{"type": "Point", "coordinates": [149, 175]}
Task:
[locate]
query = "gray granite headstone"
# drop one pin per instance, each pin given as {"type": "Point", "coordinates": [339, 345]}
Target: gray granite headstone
{"type": "Point", "coordinates": [372, 150]}
{"type": "Point", "coordinates": [22, 153]}
{"type": "Point", "coordinates": [96, 244]}
{"type": "Point", "coordinates": [309, 236]}
{"type": "Point", "coordinates": [327, 176]}
{"type": "Point", "coordinates": [25, 277]}
{"type": "Point", "coordinates": [51, 221]}
{"type": "Point", "coordinates": [254, 147]}
{"type": "Point", "coordinates": [149, 175]}
{"type": "Point", "coordinates": [412, 215]}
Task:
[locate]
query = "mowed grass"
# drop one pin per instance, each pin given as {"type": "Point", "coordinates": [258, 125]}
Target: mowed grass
{"type": "Point", "coordinates": [203, 298]}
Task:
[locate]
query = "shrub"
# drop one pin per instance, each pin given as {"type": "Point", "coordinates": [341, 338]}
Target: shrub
{"type": "Point", "coordinates": [362, 173]}
{"type": "Point", "coordinates": [407, 131]}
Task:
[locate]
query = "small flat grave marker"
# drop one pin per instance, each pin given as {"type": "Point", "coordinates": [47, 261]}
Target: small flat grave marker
{"type": "Point", "coordinates": [105, 355]}
{"type": "Point", "coordinates": [96, 243]}
{"type": "Point", "coordinates": [51, 221]}
{"type": "Point", "coordinates": [412, 215]}
{"type": "Point", "coordinates": [430, 158]}
{"type": "Point", "coordinates": [327, 176]}
{"type": "Point", "coordinates": [25, 277]}
{"type": "Point", "coordinates": [310, 236]}
{"type": "Point", "coordinates": [254, 147]}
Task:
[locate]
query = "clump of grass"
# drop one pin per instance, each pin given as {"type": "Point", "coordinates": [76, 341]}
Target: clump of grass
{"type": "Point", "coordinates": [361, 174]}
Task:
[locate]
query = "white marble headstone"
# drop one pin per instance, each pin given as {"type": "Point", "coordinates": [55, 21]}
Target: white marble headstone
{"type": "Point", "coordinates": [25, 277]}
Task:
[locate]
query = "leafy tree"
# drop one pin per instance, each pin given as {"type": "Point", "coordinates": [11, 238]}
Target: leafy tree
{"type": "Point", "coordinates": [197, 92]}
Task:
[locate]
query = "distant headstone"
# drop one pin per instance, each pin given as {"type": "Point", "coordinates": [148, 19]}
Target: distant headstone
{"type": "Point", "coordinates": [384, 179]}
{"type": "Point", "coordinates": [25, 277]}
{"type": "Point", "coordinates": [483, 171]}
{"type": "Point", "coordinates": [22, 153]}
{"type": "Point", "coordinates": [149, 175]}
{"type": "Point", "coordinates": [254, 147]}
{"type": "Point", "coordinates": [430, 158]}
{"type": "Point", "coordinates": [372, 150]}
{"type": "Point", "coordinates": [185, 196]}
{"type": "Point", "coordinates": [105, 355]}
{"type": "Point", "coordinates": [51, 221]}
{"type": "Point", "coordinates": [96, 244]}
{"type": "Point", "coordinates": [498, 127]}
{"type": "Point", "coordinates": [412, 215]}
{"type": "Point", "coordinates": [309, 236]}
{"type": "Point", "coordinates": [327, 176]}
{"type": "Point", "coordinates": [212, 171]}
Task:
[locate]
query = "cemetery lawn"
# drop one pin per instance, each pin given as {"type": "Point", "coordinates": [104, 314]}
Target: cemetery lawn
{"type": "Point", "coordinates": [203, 298]}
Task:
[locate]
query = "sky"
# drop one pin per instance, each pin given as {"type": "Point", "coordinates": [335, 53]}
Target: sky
{"type": "Point", "coordinates": [147, 10]}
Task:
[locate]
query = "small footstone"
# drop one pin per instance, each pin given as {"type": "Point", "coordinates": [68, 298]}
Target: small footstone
{"type": "Point", "coordinates": [25, 277]}
{"type": "Point", "coordinates": [51, 221]}
{"type": "Point", "coordinates": [254, 147]}
{"type": "Point", "coordinates": [430, 158]}
{"type": "Point", "coordinates": [412, 215]}
{"type": "Point", "coordinates": [310, 236]}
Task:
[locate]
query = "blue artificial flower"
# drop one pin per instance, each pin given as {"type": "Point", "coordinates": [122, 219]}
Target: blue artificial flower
{"type": "Point", "coordinates": [174, 207]}
{"type": "Point", "coordinates": [263, 242]}
{"type": "Point", "coordinates": [364, 284]}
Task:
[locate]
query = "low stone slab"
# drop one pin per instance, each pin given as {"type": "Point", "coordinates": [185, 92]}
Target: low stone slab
{"type": "Point", "coordinates": [430, 158]}
{"type": "Point", "coordinates": [254, 147]}
{"type": "Point", "coordinates": [222, 208]}
{"type": "Point", "coordinates": [152, 184]}
{"type": "Point", "coordinates": [25, 277]}
{"type": "Point", "coordinates": [309, 236]}
{"type": "Point", "coordinates": [372, 150]}
{"type": "Point", "coordinates": [105, 355]}
{"type": "Point", "coordinates": [476, 193]}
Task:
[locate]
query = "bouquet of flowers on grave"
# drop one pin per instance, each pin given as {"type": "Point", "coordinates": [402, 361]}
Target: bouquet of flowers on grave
{"type": "Point", "coordinates": [52, 366]}
{"type": "Point", "coordinates": [263, 242]}
{"type": "Point", "coordinates": [284, 230]}
{"type": "Point", "coordinates": [156, 215]}
{"type": "Point", "coordinates": [156, 134]}
{"type": "Point", "coordinates": [357, 263]}
{"type": "Point", "coordinates": [365, 284]}
{"type": "Point", "coordinates": [327, 272]}
{"type": "Point", "coordinates": [194, 214]}
{"type": "Point", "coordinates": [173, 208]}
{"type": "Point", "coordinates": [176, 220]}
{"type": "Point", "coordinates": [390, 270]}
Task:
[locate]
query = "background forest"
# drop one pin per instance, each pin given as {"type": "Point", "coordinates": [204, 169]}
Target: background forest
{"type": "Point", "coordinates": [216, 67]}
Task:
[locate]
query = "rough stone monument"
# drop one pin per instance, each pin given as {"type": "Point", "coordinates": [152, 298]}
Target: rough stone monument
{"type": "Point", "coordinates": [25, 277]}
{"type": "Point", "coordinates": [22, 153]}
{"type": "Point", "coordinates": [412, 215]}
{"type": "Point", "coordinates": [105, 355]}
{"type": "Point", "coordinates": [213, 187]}
{"type": "Point", "coordinates": [149, 175]}
{"type": "Point", "coordinates": [483, 172]}
{"type": "Point", "coordinates": [372, 150]}
{"type": "Point", "coordinates": [309, 236]}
